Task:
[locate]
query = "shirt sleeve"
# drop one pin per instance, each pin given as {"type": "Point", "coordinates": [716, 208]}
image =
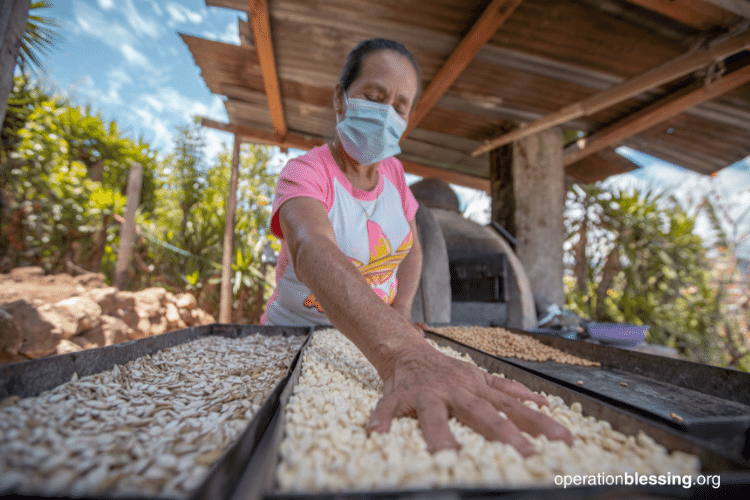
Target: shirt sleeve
{"type": "Point", "coordinates": [299, 177]}
{"type": "Point", "coordinates": [408, 201]}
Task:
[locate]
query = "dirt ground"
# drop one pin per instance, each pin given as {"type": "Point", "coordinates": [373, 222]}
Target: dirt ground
{"type": "Point", "coordinates": [32, 286]}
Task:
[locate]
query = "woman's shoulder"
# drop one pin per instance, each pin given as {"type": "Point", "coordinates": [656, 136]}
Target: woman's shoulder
{"type": "Point", "coordinates": [318, 158]}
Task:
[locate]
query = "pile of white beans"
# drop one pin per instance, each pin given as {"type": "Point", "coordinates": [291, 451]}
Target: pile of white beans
{"type": "Point", "coordinates": [151, 427]}
{"type": "Point", "coordinates": [326, 447]}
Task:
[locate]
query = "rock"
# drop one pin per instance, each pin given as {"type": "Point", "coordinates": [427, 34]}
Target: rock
{"type": "Point", "coordinates": [201, 317]}
{"type": "Point", "coordinates": [67, 346]}
{"type": "Point", "coordinates": [84, 343]}
{"type": "Point", "coordinates": [72, 316]}
{"type": "Point", "coordinates": [144, 327]}
{"type": "Point", "coordinates": [39, 339]}
{"type": "Point", "coordinates": [148, 302]}
{"type": "Point", "coordinates": [159, 325]}
{"type": "Point", "coordinates": [6, 357]}
{"type": "Point", "coordinates": [186, 301]}
{"type": "Point", "coordinates": [110, 299]}
{"type": "Point", "coordinates": [24, 273]}
{"type": "Point", "coordinates": [91, 280]}
{"type": "Point", "coordinates": [129, 316]}
{"type": "Point", "coordinates": [173, 317]}
{"type": "Point", "coordinates": [186, 316]}
{"type": "Point", "coordinates": [11, 339]}
{"type": "Point", "coordinates": [110, 331]}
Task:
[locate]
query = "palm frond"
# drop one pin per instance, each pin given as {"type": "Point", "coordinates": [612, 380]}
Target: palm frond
{"type": "Point", "coordinates": [39, 38]}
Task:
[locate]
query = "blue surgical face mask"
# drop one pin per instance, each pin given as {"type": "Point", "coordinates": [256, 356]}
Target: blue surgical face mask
{"type": "Point", "coordinates": [370, 131]}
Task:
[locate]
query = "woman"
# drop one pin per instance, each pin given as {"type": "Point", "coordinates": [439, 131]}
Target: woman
{"type": "Point", "coordinates": [346, 218]}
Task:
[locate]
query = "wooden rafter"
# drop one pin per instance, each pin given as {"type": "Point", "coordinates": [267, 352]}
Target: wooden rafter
{"type": "Point", "coordinates": [258, 13]}
{"type": "Point", "coordinates": [657, 113]}
{"type": "Point", "coordinates": [488, 23]}
{"type": "Point", "coordinates": [256, 135]}
{"type": "Point", "coordinates": [699, 14]}
{"type": "Point", "coordinates": [739, 7]}
{"type": "Point", "coordinates": [305, 143]}
{"type": "Point", "coordinates": [668, 71]}
{"type": "Point", "coordinates": [450, 176]}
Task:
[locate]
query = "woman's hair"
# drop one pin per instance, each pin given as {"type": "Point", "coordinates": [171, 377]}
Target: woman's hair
{"type": "Point", "coordinates": [353, 63]}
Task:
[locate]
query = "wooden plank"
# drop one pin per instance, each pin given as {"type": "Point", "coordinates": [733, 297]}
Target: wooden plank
{"type": "Point", "coordinates": [668, 71]}
{"type": "Point", "coordinates": [599, 166]}
{"type": "Point", "coordinates": [305, 143]}
{"type": "Point", "coordinates": [698, 14]}
{"type": "Point", "coordinates": [264, 44]}
{"type": "Point", "coordinates": [739, 7]}
{"type": "Point", "coordinates": [291, 140]}
{"type": "Point", "coordinates": [227, 256]}
{"type": "Point", "coordinates": [450, 176]}
{"type": "Point", "coordinates": [491, 19]}
{"type": "Point", "coordinates": [657, 113]}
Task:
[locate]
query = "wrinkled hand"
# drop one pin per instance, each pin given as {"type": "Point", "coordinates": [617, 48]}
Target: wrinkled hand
{"type": "Point", "coordinates": [432, 387]}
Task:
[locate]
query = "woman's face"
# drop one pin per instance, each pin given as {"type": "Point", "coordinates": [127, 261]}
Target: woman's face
{"type": "Point", "coordinates": [386, 77]}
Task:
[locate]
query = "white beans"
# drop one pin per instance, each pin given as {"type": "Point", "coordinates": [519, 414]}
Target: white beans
{"type": "Point", "coordinates": [326, 447]}
{"type": "Point", "coordinates": [151, 427]}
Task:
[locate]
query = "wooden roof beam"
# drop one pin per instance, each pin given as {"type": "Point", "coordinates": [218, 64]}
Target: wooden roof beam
{"type": "Point", "coordinates": [676, 68]}
{"type": "Point", "coordinates": [488, 23]}
{"type": "Point", "coordinates": [261, 136]}
{"type": "Point", "coordinates": [739, 7]}
{"type": "Point", "coordinates": [449, 176]}
{"type": "Point", "coordinates": [258, 13]}
{"type": "Point", "coordinates": [657, 113]}
{"type": "Point", "coordinates": [305, 143]}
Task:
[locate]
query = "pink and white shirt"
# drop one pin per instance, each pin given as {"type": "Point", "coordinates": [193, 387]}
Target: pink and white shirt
{"type": "Point", "coordinates": [376, 244]}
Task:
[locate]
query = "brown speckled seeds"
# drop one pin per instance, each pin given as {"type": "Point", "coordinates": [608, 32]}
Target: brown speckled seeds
{"type": "Point", "coordinates": [502, 343]}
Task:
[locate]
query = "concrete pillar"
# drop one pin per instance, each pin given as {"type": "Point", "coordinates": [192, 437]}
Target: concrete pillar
{"type": "Point", "coordinates": [534, 166]}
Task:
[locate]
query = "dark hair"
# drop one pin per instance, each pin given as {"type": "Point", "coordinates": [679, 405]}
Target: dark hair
{"type": "Point", "coordinates": [353, 63]}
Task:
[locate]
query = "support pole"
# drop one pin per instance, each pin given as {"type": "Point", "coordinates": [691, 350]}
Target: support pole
{"type": "Point", "coordinates": [127, 231]}
{"type": "Point", "coordinates": [225, 301]}
{"type": "Point", "coordinates": [13, 16]}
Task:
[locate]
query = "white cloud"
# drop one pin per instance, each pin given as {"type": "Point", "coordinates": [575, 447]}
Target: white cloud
{"type": "Point", "coordinates": [230, 35]}
{"type": "Point", "coordinates": [139, 23]}
{"type": "Point", "coordinates": [135, 57]}
{"type": "Point", "coordinates": [106, 4]}
{"type": "Point", "coordinates": [180, 14]}
{"type": "Point", "coordinates": [157, 8]}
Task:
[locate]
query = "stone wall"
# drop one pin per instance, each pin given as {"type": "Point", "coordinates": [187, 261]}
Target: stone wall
{"type": "Point", "coordinates": [96, 316]}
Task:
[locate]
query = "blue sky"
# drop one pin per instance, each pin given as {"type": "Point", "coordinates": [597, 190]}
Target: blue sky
{"type": "Point", "coordinates": [126, 59]}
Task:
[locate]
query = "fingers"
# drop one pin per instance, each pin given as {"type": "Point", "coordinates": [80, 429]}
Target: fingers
{"type": "Point", "coordinates": [433, 419]}
{"type": "Point", "coordinates": [483, 417]}
{"type": "Point", "coordinates": [381, 416]}
{"type": "Point", "coordinates": [514, 389]}
{"type": "Point", "coordinates": [529, 420]}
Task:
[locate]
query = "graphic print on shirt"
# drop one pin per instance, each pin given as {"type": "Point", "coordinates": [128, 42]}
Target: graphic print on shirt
{"type": "Point", "coordinates": [381, 266]}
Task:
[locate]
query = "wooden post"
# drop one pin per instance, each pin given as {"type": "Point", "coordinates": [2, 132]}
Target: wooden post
{"type": "Point", "coordinates": [225, 300]}
{"type": "Point", "coordinates": [13, 16]}
{"type": "Point", "coordinates": [127, 231]}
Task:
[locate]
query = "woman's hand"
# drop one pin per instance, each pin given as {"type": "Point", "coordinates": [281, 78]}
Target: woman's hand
{"type": "Point", "coordinates": [433, 387]}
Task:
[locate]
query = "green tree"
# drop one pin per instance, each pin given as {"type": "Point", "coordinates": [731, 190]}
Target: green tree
{"type": "Point", "coordinates": [184, 172]}
{"type": "Point", "coordinates": [195, 260]}
{"type": "Point", "coordinates": [636, 258]}
{"type": "Point", "coordinates": [65, 181]}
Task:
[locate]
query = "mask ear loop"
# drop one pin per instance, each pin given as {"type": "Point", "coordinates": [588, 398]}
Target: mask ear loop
{"type": "Point", "coordinates": [346, 101]}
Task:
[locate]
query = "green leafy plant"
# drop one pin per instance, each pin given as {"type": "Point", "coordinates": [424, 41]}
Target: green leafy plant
{"type": "Point", "coordinates": [634, 257]}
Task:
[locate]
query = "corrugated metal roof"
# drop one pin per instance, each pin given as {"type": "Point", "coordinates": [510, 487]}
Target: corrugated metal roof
{"type": "Point", "coordinates": [548, 54]}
